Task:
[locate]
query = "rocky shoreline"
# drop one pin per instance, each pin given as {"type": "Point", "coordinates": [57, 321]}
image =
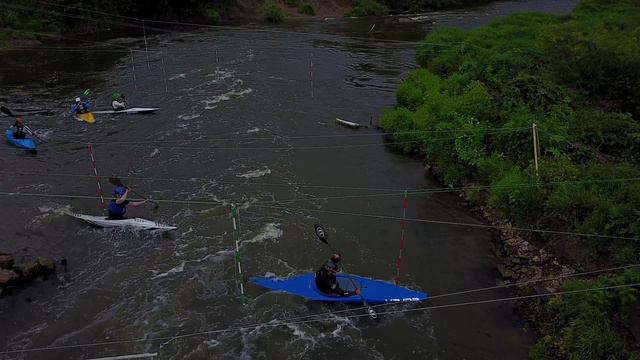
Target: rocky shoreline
{"type": "Point", "coordinates": [517, 259]}
{"type": "Point", "coordinates": [13, 275]}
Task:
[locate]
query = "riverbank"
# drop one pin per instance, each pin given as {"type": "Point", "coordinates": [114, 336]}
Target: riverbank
{"type": "Point", "coordinates": [471, 110]}
{"type": "Point", "coordinates": [31, 22]}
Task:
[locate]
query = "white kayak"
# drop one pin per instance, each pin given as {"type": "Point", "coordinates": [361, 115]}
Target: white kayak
{"type": "Point", "coordinates": [136, 223]}
{"type": "Point", "coordinates": [128, 111]}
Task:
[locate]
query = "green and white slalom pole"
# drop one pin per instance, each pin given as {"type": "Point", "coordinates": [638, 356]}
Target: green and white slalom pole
{"type": "Point", "coordinates": [235, 216]}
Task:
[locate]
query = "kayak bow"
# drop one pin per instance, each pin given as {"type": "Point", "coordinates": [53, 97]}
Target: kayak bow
{"type": "Point", "coordinates": [128, 111]}
{"type": "Point", "coordinates": [86, 117]}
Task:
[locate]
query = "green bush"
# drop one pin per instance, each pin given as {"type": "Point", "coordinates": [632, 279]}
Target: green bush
{"type": "Point", "coordinates": [274, 13]}
{"type": "Point", "coordinates": [576, 77]}
{"type": "Point", "coordinates": [213, 16]}
{"type": "Point", "coordinates": [292, 3]}
{"type": "Point", "coordinates": [367, 8]}
{"type": "Point", "coordinates": [306, 8]}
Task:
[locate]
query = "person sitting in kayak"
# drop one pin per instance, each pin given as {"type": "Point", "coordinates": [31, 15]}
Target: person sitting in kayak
{"type": "Point", "coordinates": [118, 206]}
{"type": "Point", "coordinates": [18, 128]}
{"type": "Point", "coordinates": [118, 102]}
{"type": "Point", "coordinates": [326, 280]}
{"type": "Point", "coordinates": [80, 107]}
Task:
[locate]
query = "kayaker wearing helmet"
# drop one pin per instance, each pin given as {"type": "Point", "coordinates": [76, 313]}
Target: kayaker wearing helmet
{"type": "Point", "coordinates": [118, 102]}
{"type": "Point", "coordinates": [326, 280]}
{"type": "Point", "coordinates": [18, 128]}
{"type": "Point", "coordinates": [118, 206]}
{"type": "Point", "coordinates": [80, 107]}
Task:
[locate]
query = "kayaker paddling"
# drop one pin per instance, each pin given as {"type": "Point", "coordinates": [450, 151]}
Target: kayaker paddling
{"type": "Point", "coordinates": [118, 101]}
{"type": "Point", "coordinates": [79, 106]}
{"type": "Point", "coordinates": [18, 128]}
{"type": "Point", "coordinates": [326, 280]}
{"type": "Point", "coordinates": [118, 206]}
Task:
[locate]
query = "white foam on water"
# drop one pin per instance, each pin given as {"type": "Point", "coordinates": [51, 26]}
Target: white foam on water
{"type": "Point", "coordinates": [178, 76]}
{"type": "Point", "coordinates": [301, 335]}
{"type": "Point", "coordinates": [281, 78]}
{"type": "Point", "coordinates": [49, 210]}
{"type": "Point", "coordinates": [188, 231]}
{"type": "Point", "coordinates": [175, 270]}
{"type": "Point", "coordinates": [255, 173]}
{"type": "Point", "coordinates": [218, 257]}
{"type": "Point", "coordinates": [270, 231]}
{"type": "Point", "coordinates": [211, 343]}
{"type": "Point", "coordinates": [211, 103]}
{"type": "Point", "coordinates": [188, 117]}
{"type": "Point", "coordinates": [255, 129]}
{"type": "Point", "coordinates": [44, 134]}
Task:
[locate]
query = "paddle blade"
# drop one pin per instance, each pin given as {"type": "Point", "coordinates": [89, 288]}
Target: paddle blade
{"type": "Point", "coordinates": [115, 181]}
{"type": "Point", "coordinates": [6, 111]}
{"type": "Point", "coordinates": [87, 92]}
{"type": "Point", "coordinates": [322, 235]}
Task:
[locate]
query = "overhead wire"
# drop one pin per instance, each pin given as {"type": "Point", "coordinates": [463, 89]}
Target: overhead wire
{"type": "Point", "coordinates": [277, 323]}
{"type": "Point", "coordinates": [159, 144]}
{"type": "Point", "coordinates": [392, 191]}
{"type": "Point", "coordinates": [297, 137]}
{"type": "Point", "coordinates": [344, 213]}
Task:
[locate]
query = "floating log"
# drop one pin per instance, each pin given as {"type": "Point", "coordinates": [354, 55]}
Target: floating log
{"type": "Point", "coordinates": [350, 124]}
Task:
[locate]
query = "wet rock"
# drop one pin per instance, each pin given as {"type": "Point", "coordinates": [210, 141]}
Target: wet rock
{"type": "Point", "coordinates": [6, 262]}
{"type": "Point", "coordinates": [29, 270]}
{"type": "Point", "coordinates": [8, 277]}
{"type": "Point", "coordinates": [47, 264]}
{"type": "Point", "coordinates": [507, 273]}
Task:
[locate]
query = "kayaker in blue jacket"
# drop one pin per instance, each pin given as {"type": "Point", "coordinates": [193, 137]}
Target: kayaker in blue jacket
{"type": "Point", "coordinates": [80, 107]}
{"type": "Point", "coordinates": [326, 280]}
{"type": "Point", "coordinates": [18, 128]}
{"type": "Point", "coordinates": [118, 206]}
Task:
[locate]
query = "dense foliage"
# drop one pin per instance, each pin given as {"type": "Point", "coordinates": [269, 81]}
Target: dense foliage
{"type": "Point", "coordinates": [25, 17]}
{"type": "Point", "coordinates": [382, 7]}
{"type": "Point", "coordinates": [306, 8]}
{"type": "Point", "coordinates": [274, 13]}
{"type": "Point", "coordinates": [471, 106]}
{"type": "Point", "coordinates": [367, 8]}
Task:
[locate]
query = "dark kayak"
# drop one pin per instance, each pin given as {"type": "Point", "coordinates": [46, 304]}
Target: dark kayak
{"type": "Point", "coordinates": [374, 291]}
{"type": "Point", "coordinates": [26, 143]}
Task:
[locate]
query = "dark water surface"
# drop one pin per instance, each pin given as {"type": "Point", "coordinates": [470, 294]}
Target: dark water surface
{"type": "Point", "coordinates": [247, 117]}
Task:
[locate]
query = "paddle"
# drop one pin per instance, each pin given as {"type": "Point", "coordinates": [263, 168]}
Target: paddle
{"type": "Point", "coordinates": [322, 235]}
{"type": "Point", "coordinates": [10, 113]}
{"type": "Point", "coordinates": [117, 182]}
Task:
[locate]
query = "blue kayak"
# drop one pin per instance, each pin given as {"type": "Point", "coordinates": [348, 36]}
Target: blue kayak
{"type": "Point", "coordinates": [374, 291]}
{"type": "Point", "coordinates": [26, 143]}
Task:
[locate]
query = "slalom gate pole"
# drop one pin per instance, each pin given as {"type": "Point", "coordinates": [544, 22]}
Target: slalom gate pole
{"type": "Point", "coordinates": [95, 171]}
{"type": "Point", "coordinates": [235, 217]}
{"type": "Point", "coordinates": [133, 69]}
{"type": "Point", "coordinates": [403, 226]}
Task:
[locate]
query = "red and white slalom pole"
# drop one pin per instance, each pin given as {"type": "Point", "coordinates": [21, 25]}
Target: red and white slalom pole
{"type": "Point", "coordinates": [403, 226]}
{"type": "Point", "coordinates": [95, 171]}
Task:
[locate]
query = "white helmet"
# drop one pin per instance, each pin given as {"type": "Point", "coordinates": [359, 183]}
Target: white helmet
{"type": "Point", "coordinates": [77, 99]}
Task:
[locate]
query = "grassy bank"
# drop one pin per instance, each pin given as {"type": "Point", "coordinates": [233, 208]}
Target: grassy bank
{"type": "Point", "coordinates": [470, 108]}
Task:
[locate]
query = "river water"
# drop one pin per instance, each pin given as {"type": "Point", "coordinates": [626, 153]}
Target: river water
{"type": "Point", "coordinates": [246, 117]}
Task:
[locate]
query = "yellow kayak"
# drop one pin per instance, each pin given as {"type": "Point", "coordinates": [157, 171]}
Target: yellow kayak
{"type": "Point", "coordinates": [86, 117]}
